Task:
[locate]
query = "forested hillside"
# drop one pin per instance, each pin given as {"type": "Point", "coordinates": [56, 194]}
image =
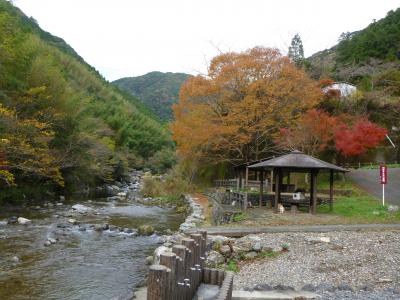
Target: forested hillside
{"type": "Point", "coordinates": [156, 90]}
{"type": "Point", "coordinates": [365, 52]}
{"type": "Point", "coordinates": [62, 126]}
{"type": "Point", "coordinates": [369, 59]}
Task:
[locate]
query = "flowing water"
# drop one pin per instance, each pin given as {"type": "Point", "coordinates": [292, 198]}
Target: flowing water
{"type": "Point", "coordinates": [82, 264]}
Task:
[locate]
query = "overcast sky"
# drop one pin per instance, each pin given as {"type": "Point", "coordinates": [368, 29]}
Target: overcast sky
{"type": "Point", "coordinates": [132, 37]}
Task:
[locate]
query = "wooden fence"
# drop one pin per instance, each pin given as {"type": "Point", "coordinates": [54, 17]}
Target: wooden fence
{"type": "Point", "coordinates": [233, 183]}
{"type": "Point", "coordinates": [181, 272]}
{"type": "Point", "coordinates": [238, 199]}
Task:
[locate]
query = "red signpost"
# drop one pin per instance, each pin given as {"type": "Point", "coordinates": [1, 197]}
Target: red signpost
{"type": "Point", "coordinates": [383, 177]}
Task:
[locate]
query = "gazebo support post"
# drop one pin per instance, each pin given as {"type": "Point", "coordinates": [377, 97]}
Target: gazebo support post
{"type": "Point", "coordinates": [313, 193]}
{"type": "Point", "coordinates": [331, 191]}
{"type": "Point", "coordinates": [272, 181]}
{"type": "Point", "coordinates": [261, 186]}
{"type": "Point", "coordinates": [247, 177]}
{"type": "Point", "coordinates": [277, 173]}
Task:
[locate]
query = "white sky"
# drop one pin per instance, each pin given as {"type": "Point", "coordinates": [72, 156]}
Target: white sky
{"type": "Point", "coordinates": [132, 37]}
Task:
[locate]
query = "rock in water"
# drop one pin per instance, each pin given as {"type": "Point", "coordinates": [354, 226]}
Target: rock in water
{"type": "Point", "coordinates": [12, 220]}
{"type": "Point", "coordinates": [149, 260]}
{"type": "Point", "coordinates": [82, 209]}
{"type": "Point", "coordinates": [47, 243]}
{"type": "Point", "coordinates": [145, 230]}
{"type": "Point", "coordinates": [23, 221]}
{"type": "Point", "coordinates": [15, 259]}
{"type": "Point", "coordinates": [73, 221]}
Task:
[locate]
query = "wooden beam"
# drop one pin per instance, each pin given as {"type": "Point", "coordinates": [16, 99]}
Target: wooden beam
{"type": "Point", "coordinates": [331, 191]}
{"type": "Point", "coordinates": [261, 186]}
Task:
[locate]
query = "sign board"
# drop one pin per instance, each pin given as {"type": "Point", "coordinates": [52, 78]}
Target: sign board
{"type": "Point", "coordinates": [383, 174]}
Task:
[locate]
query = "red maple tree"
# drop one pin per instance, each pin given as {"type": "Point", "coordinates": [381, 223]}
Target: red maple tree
{"type": "Point", "coordinates": [357, 139]}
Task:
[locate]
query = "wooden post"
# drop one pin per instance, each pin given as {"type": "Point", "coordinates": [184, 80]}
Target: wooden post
{"type": "Point", "coordinates": [190, 272]}
{"type": "Point", "coordinates": [181, 289]}
{"type": "Point", "coordinates": [331, 191]}
{"type": "Point", "coordinates": [313, 193]}
{"type": "Point", "coordinates": [197, 237]}
{"type": "Point", "coordinates": [261, 186]}
{"type": "Point", "coordinates": [247, 176]}
{"type": "Point", "coordinates": [277, 189]}
{"type": "Point", "coordinates": [157, 282]}
{"type": "Point", "coordinates": [168, 259]}
{"type": "Point", "coordinates": [272, 181]}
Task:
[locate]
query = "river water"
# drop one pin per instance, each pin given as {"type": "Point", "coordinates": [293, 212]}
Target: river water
{"type": "Point", "coordinates": [82, 264]}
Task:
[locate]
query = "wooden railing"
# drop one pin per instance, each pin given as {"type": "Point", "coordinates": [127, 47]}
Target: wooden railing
{"type": "Point", "coordinates": [238, 199]}
{"type": "Point", "coordinates": [226, 183]}
{"type": "Point", "coordinates": [181, 272]}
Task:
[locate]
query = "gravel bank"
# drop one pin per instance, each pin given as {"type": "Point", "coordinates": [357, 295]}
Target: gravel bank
{"type": "Point", "coordinates": [343, 265]}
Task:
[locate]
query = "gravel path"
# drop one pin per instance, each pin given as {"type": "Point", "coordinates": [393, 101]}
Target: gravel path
{"type": "Point", "coordinates": [353, 265]}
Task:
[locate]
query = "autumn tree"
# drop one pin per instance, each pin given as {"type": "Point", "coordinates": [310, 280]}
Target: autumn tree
{"type": "Point", "coordinates": [357, 139]}
{"type": "Point", "coordinates": [312, 134]}
{"type": "Point", "coordinates": [234, 112]}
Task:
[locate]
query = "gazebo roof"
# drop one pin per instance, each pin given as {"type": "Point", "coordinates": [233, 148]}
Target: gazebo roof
{"type": "Point", "coordinates": [296, 160]}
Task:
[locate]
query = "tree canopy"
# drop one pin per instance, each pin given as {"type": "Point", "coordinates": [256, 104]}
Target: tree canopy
{"type": "Point", "coordinates": [233, 113]}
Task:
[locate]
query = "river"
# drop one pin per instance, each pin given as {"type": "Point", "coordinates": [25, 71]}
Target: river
{"type": "Point", "coordinates": [84, 263]}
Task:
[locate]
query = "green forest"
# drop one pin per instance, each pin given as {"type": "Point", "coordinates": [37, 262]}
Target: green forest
{"type": "Point", "coordinates": [63, 127]}
{"type": "Point", "coordinates": [157, 90]}
{"type": "Point", "coordinates": [379, 40]}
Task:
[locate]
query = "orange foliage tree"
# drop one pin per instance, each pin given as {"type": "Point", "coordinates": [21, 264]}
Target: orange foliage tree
{"type": "Point", "coordinates": [233, 113]}
{"type": "Point", "coordinates": [312, 134]}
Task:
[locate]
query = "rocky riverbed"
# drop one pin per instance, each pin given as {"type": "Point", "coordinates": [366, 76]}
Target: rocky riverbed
{"type": "Point", "coordinates": [336, 265]}
{"type": "Point", "coordinates": [81, 249]}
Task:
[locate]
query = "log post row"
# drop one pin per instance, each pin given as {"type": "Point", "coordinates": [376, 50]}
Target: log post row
{"type": "Point", "coordinates": [181, 272]}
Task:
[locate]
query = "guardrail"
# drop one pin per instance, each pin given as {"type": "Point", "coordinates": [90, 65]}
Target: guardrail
{"type": "Point", "coordinates": [181, 272]}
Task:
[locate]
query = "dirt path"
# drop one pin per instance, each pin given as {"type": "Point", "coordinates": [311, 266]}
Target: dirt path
{"type": "Point", "coordinates": [368, 180]}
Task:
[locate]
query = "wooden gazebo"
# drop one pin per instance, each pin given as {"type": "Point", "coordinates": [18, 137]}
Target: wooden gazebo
{"type": "Point", "coordinates": [296, 162]}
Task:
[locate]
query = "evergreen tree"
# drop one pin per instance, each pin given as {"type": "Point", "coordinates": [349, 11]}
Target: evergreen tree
{"type": "Point", "coordinates": [296, 51]}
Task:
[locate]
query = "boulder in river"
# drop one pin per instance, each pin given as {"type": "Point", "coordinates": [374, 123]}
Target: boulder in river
{"type": "Point", "coordinates": [23, 221]}
{"type": "Point", "coordinates": [73, 221]}
{"type": "Point", "coordinates": [52, 241]}
{"type": "Point", "coordinates": [146, 230]}
{"type": "Point", "coordinates": [82, 209]}
{"type": "Point", "coordinates": [47, 243]}
{"type": "Point", "coordinates": [12, 220]}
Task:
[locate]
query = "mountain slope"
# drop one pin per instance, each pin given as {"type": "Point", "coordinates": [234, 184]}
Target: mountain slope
{"type": "Point", "coordinates": [157, 90]}
{"type": "Point", "coordinates": [361, 53]}
{"type": "Point", "coordinates": [61, 123]}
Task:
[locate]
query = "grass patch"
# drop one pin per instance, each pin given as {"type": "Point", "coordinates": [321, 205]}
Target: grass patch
{"type": "Point", "coordinates": [268, 254]}
{"type": "Point", "coordinates": [232, 266]}
{"type": "Point", "coordinates": [361, 208]}
{"type": "Point", "coordinates": [376, 166]}
{"type": "Point", "coordinates": [239, 217]}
